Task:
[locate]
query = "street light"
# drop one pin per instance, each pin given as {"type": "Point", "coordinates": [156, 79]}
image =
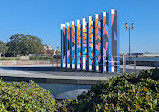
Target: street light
{"type": "Point", "coordinates": [132, 27]}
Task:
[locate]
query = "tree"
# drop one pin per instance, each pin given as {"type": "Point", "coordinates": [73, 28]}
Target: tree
{"type": "Point", "coordinates": [21, 44]}
{"type": "Point", "coordinates": [3, 48]}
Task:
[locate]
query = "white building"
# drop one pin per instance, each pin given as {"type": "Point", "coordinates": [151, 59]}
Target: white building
{"type": "Point", "coordinates": [48, 47]}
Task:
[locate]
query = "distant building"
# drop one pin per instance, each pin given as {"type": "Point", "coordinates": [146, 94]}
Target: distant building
{"type": "Point", "coordinates": [48, 51]}
{"type": "Point", "coordinates": [48, 47]}
{"type": "Point", "coordinates": [137, 54]}
{"type": "Point", "coordinates": [147, 54]}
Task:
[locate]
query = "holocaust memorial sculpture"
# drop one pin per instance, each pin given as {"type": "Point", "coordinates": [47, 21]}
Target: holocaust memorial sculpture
{"type": "Point", "coordinates": [92, 43]}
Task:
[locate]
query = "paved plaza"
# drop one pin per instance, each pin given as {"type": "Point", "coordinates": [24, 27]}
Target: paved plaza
{"type": "Point", "coordinates": [49, 71]}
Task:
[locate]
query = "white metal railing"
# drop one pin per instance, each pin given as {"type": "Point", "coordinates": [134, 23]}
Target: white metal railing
{"type": "Point", "coordinates": [55, 61]}
{"type": "Point", "coordinates": [123, 65]}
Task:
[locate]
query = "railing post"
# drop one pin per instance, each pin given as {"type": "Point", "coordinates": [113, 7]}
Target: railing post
{"type": "Point", "coordinates": [135, 64]}
{"type": "Point", "coordinates": [57, 59]}
{"type": "Point", "coordinates": [124, 63]}
{"type": "Point", "coordinates": [53, 62]}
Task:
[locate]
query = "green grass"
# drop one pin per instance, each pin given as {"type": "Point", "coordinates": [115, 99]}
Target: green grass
{"type": "Point", "coordinates": [9, 58]}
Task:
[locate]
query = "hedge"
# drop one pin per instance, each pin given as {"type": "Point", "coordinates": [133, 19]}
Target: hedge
{"type": "Point", "coordinates": [40, 58]}
{"type": "Point", "coordinates": [127, 93]}
{"type": "Point", "coordinates": [23, 96]}
{"type": "Point", "coordinates": [9, 58]}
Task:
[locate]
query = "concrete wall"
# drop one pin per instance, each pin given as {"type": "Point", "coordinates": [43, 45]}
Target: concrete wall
{"type": "Point", "coordinates": [36, 62]}
{"type": "Point", "coordinates": [65, 91]}
{"type": "Point", "coordinates": [23, 62]}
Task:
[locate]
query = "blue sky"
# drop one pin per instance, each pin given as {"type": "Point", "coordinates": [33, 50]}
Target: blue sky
{"type": "Point", "coordinates": [42, 18]}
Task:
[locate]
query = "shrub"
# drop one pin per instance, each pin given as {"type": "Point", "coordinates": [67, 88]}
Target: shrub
{"type": "Point", "coordinates": [130, 92]}
{"type": "Point", "coordinates": [9, 58]}
{"type": "Point", "coordinates": [40, 58]}
{"type": "Point", "coordinates": [23, 96]}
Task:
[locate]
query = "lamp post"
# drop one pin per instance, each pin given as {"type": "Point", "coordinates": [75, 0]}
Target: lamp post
{"type": "Point", "coordinates": [132, 27]}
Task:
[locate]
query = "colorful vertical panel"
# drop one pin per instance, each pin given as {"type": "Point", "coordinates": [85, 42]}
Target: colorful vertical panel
{"type": "Point", "coordinates": [114, 39]}
{"type": "Point", "coordinates": [90, 49]}
{"type": "Point", "coordinates": [84, 40]}
{"type": "Point", "coordinates": [73, 43]}
{"type": "Point", "coordinates": [118, 52]}
{"type": "Point", "coordinates": [98, 41]}
{"type": "Point", "coordinates": [105, 39]}
{"type": "Point", "coordinates": [68, 45]}
{"type": "Point", "coordinates": [61, 45]}
{"type": "Point", "coordinates": [91, 44]}
{"type": "Point", "coordinates": [78, 43]}
{"type": "Point", "coordinates": [63, 53]}
{"type": "Point", "coordinates": [81, 61]}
